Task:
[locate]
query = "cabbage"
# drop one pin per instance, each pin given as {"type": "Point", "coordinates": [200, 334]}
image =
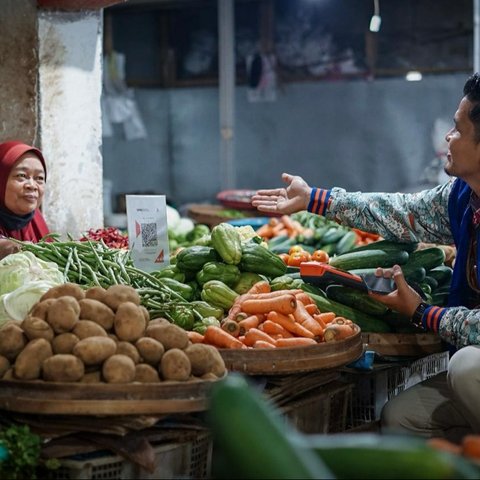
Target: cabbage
{"type": "Point", "coordinates": [15, 305]}
{"type": "Point", "coordinates": [19, 269]}
{"type": "Point", "coordinates": [173, 217]}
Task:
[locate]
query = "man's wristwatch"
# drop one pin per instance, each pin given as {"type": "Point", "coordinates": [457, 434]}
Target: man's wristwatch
{"type": "Point", "coordinates": [418, 314]}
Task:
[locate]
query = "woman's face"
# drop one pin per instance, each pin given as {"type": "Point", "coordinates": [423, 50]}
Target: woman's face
{"type": "Point", "coordinates": [25, 185]}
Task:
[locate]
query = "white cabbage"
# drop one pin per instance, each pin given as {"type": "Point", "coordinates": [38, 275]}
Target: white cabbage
{"type": "Point", "coordinates": [18, 269]}
{"type": "Point", "coordinates": [15, 305]}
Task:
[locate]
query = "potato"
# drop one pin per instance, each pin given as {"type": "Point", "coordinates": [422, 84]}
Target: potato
{"type": "Point", "coordinates": [92, 377]}
{"type": "Point", "coordinates": [204, 359]}
{"type": "Point", "coordinates": [8, 375]}
{"type": "Point", "coordinates": [97, 312]}
{"type": "Point", "coordinates": [150, 350]}
{"type": "Point", "coordinates": [35, 327]}
{"type": "Point", "coordinates": [40, 309]}
{"type": "Point", "coordinates": [146, 315]}
{"type": "Point", "coordinates": [66, 289]}
{"type": "Point", "coordinates": [94, 350]}
{"type": "Point", "coordinates": [209, 376]}
{"type": "Point", "coordinates": [175, 365]}
{"type": "Point", "coordinates": [158, 321]}
{"type": "Point", "coordinates": [118, 294]}
{"type": "Point", "coordinates": [96, 293]}
{"type": "Point", "coordinates": [219, 368]}
{"type": "Point", "coordinates": [28, 364]}
{"type": "Point", "coordinates": [64, 343]}
{"type": "Point", "coordinates": [63, 314]}
{"type": "Point", "coordinates": [87, 328]}
{"type": "Point", "coordinates": [169, 335]}
{"type": "Point", "coordinates": [113, 337]}
{"type": "Point", "coordinates": [12, 340]}
{"type": "Point", "coordinates": [126, 348]}
{"type": "Point", "coordinates": [4, 365]}
{"type": "Point", "coordinates": [146, 374]}
{"type": "Point", "coordinates": [129, 323]}
{"type": "Point", "coordinates": [118, 369]}
{"type": "Point", "coordinates": [63, 367]}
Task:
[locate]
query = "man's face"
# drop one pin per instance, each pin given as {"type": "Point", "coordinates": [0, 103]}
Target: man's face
{"type": "Point", "coordinates": [463, 157]}
{"type": "Point", "coordinates": [25, 185]}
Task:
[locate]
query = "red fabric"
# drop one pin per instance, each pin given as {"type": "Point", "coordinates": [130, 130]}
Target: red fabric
{"type": "Point", "coordinates": [10, 152]}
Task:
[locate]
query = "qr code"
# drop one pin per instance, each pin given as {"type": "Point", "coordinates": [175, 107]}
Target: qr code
{"type": "Point", "coordinates": [149, 234]}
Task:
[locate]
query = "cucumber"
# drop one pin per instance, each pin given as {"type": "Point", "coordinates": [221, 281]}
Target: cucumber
{"type": "Point", "coordinates": [346, 243]}
{"type": "Point", "coordinates": [370, 455]}
{"type": "Point", "coordinates": [413, 274]}
{"type": "Point", "coordinates": [396, 320]}
{"type": "Point", "coordinates": [427, 258]}
{"type": "Point", "coordinates": [369, 259]}
{"type": "Point", "coordinates": [333, 234]}
{"type": "Point", "coordinates": [442, 274]}
{"type": "Point", "coordinates": [440, 299]}
{"type": "Point", "coordinates": [430, 281]}
{"type": "Point", "coordinates": [388, 245]}
{"type": "Point", "coordinates": [277, 240]}
{"type": "Point", "coordinates": [328, 247]}
{"type": "Point", "coordinates": [255, 442]}
{"type": "Point", "coordinates": [356, 299]}
{"type": "Point", "coordinates": [366, 322]}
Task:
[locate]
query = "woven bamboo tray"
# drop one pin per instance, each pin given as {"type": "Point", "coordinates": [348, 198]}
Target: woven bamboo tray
{"type": "Point", "coordinates": [281, 361]}
{"type": "Point", "coordinates": [403, 344]}
{"type": "Point", "coordinates": [102, 398]}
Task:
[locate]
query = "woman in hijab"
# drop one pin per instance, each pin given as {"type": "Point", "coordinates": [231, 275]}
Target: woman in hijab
{"type": "Point", "coordinates": [22, 184]}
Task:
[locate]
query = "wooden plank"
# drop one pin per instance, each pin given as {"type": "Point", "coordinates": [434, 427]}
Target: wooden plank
{"type": "Point", "coordinates": [406, 344]}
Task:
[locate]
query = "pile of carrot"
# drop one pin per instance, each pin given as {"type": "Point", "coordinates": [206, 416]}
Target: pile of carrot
{"type": "Point", "coordinates": [364, 238]}
{"type": "Point", "coordinates": [261, 318]}
{"type": "Point", "coordinates": [283, 225]}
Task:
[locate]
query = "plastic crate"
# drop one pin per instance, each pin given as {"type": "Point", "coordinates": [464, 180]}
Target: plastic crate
{"type": "Point", "coordinates": [188, 460]}
{"type": "Point", "coordinates": [372, 390]}
{"type": "Point", "coordinates": [323, 410]}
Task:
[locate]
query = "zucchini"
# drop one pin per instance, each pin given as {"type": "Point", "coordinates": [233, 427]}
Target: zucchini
{"type": "Point", "coordinates": [370, 455]}
{"type": "Point", "coordinates": [442, 274]}
{"type": "Point", "coordinates": [397, 320]}
{"type": "Point", "coordinates": [366, 322]}
{"type": "Point", "coordinates": [388, 245]}
{"type": "Point", "coordinates": [427, 258]}
{"type": "Point", "coordinates": [440, 299]}
{"type": "Point", "coordinates": [369, 259]}
{"type": "Point", "coordinates": [255, 442]}
{"type": "Point", "coordinates": [354, 298]}
{"type": "Point", "coordinates": [277, 240]}
{"type": "Point", "coordinates": [327, 247]}
{"type": "Point", "coordinates": [430, 281]}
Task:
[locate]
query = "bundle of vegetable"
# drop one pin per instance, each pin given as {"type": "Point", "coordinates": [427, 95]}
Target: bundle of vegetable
{"type": "Point", "coordinates": [92, 263]}
{"type": "Point", "coordinates": [261, 318]}
{"type": "Point", "coordinates": [111, 236]}
{"type": "Point", "coordinates": [93, 335]}
{"type": "Point", "coordinates": [287, 453]}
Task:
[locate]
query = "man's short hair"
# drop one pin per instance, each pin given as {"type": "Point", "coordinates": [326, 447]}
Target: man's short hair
{"type": "Point", "coordinates": [471, 91]}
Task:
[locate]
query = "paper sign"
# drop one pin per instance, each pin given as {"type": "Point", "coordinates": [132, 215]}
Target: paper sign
{"type": "Point", "coordinates": [148, 231]}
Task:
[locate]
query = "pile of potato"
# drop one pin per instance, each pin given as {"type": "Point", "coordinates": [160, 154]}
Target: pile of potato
{"type": "Point", "coordinates": [101, 335]}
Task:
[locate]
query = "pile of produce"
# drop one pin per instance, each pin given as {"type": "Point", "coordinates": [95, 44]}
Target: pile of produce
{"type": "Point", "coordinates": [261, 318]}
{"type": "Point", "coordinates": [312, 232]}
{"type": "Point", "coordinates": [100, 335]}
{"type": "Point", "coordinates": [112, 237]}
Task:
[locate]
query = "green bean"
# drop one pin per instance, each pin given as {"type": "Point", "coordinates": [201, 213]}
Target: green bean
{"type": "Point", "coordinates": [67, 266]}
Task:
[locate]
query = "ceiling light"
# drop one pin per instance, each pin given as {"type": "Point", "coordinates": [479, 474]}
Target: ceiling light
{"type": "Point", "coordinates": [413, 76]}
{"type": "Point", "coordinates": [376, 20]}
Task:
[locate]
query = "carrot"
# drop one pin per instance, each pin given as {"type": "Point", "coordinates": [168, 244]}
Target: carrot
{"type": "Point", "coordinates": [195, 337]}
{"type": "Point", "coordinates": [252, 321]}
{"type": "Point", "coordinates": [220, 338]}
{"type": "Point", "coordinates": [306, 320]}
{"type": "Point", "coordinates": [312, 308]}
{"type": "Point", "coordinates": [305, 298]}
{"type": "Point", "coordinates": [471, 446]}
{"type": "Point", "coordinates": [260, 287]}
{"type": "Point", "coordinates": [283, 304]}
{"type": "Point", "coordinates": [326, 317]}
{"type": "Point", "coordinates": [289, 324]}
{"type": "Point", "coordinates": [342, 321]}
{"type": "Point", "coordinates": [295, 342]}
{"type": "Point", "coordinates": [265, 231]}
{"type": "Point", "coordinates": [231, 326]}
{"type": "Point", "coordinates": [288, 224]}
{"type": "Point", "coordinates": [276, 293]}
{"type": "Point", "coordinates": [263, 344]}
{"type": "Point", "coordinates": [273, 328]}
{"type": "Point", "coordinates": [254, 334]}
{"type": "Point", "coordinates": [444, 445]}
{"type": "Point", "coordinates": [335, 332]}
